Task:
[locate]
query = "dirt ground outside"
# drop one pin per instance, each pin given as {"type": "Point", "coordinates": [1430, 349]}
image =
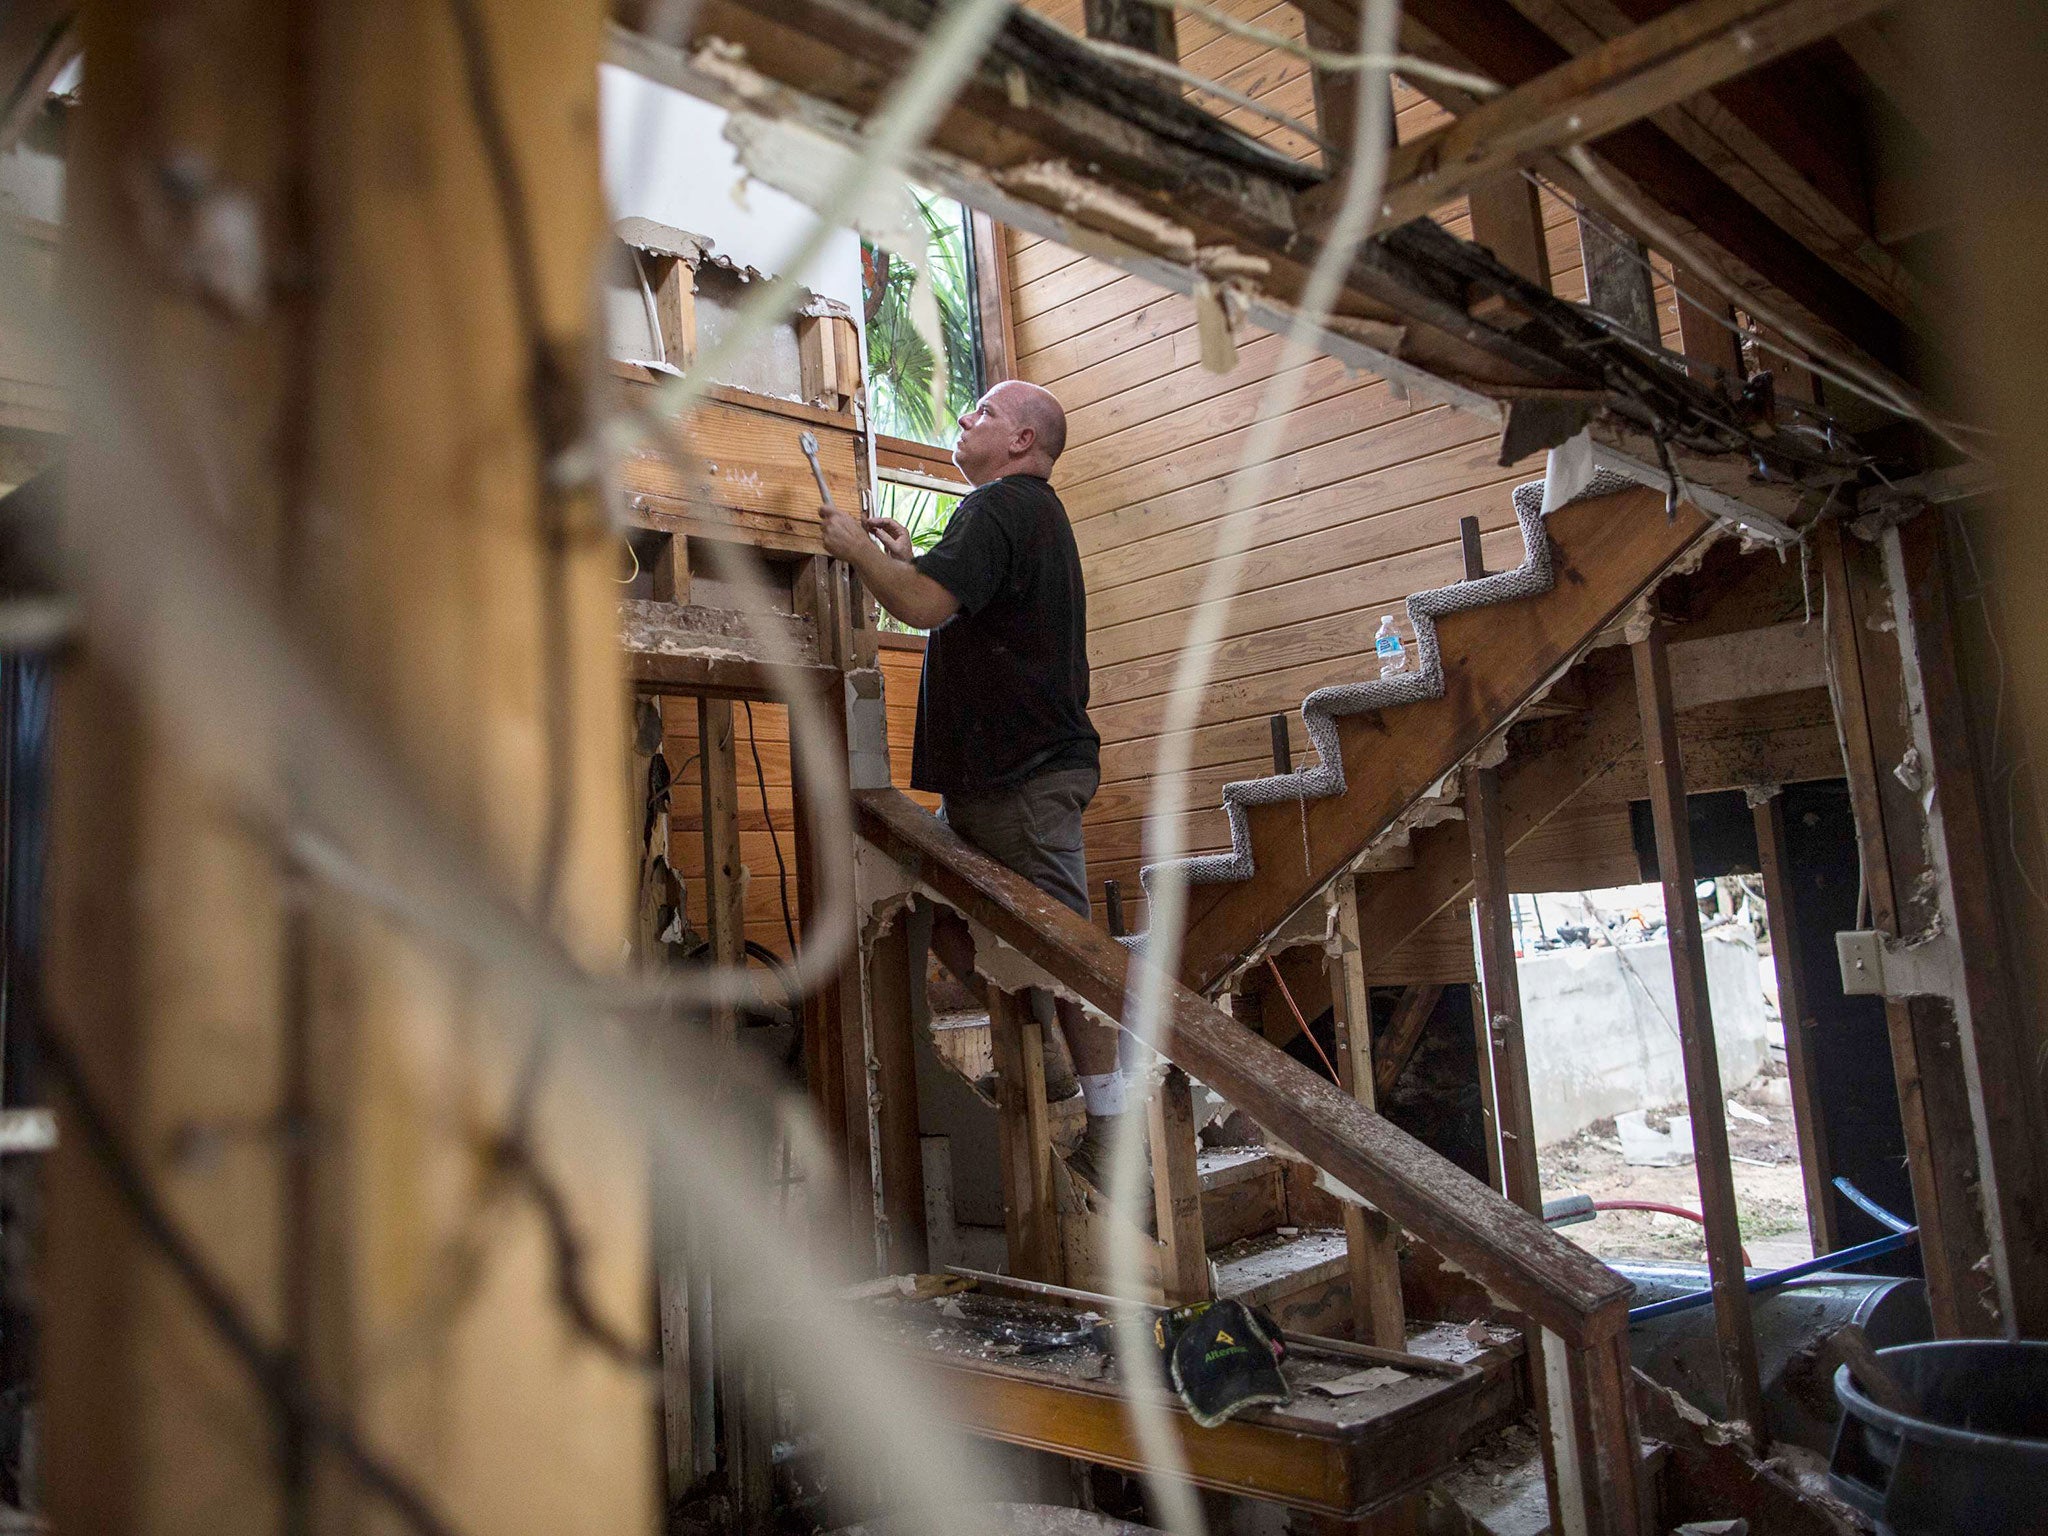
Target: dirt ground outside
{"type": "Point", "coordinates": [1769, 1194]}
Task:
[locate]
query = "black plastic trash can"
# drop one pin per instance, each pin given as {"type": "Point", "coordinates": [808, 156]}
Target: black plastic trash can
{"type": "Point", "coordinates": [1974, 1460]}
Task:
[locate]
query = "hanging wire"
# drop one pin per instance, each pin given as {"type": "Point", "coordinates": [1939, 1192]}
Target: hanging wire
{"type": "Point", "coordinates": [1404, 64]}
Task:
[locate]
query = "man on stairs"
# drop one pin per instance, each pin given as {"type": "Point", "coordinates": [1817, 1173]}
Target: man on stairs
{"type": "Point", "coordinates": [1002, 715]}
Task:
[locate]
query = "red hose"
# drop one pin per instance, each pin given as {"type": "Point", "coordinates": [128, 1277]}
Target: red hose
{"type": "Point", "coordinates": [1295, 1009]}
{"type": "Point", "coordinates": [1661, 1210]}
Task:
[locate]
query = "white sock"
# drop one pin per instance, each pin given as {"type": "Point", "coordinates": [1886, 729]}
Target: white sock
{"type": "Point", "coordinates": [1103, 1093]}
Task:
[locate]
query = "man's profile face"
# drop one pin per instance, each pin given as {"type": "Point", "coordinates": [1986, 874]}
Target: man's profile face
{"type": "Point", "coordinates": [986, 434]}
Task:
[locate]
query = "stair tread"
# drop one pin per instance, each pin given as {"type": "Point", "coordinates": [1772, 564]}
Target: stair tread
{"type": "Point", "coordinates": [1221, 1167]}
{"type": "Point", "coordinates": [1255, 1269]}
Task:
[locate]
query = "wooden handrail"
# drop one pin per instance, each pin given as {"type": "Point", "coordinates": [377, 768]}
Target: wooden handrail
{"type": "Point", "coordinates": [1512, 1253]}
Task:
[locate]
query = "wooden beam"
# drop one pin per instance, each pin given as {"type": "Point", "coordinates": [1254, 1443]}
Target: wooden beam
{"type": "Point", "coordinates": [1024, 1131]}
{"type": "Point", "coordinates": [1371, 1242]}
{"type": "Point", "coordinates": [892, 1023]}
{"type": "Point", "coordinates": [1177, 1191]}
{"type": "Point", "coordinates": [1335, 91]}
{"type": "Point", "coordinates": [1934, 1103]}
{"type": "Point", "coordinates": [1689, 49]}
{"type": "Point", "coordinates": [1506, 1249]}
{"type": "Point", "coordinates": [1741, 1388]}
{"type": "Point", "coordinates": [1816, 1168]}
{"type": "Point", "coordinates": [1495, 38]}
{"type": "Point", "coordinates": [1704, 318]}
{"type": "Point", "coordinates": [1617, 268]}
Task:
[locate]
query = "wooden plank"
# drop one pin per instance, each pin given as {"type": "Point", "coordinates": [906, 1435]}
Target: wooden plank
{"type": "Point", "coordinates": [892, 1023]}
{"type": "Point", "coordinates": [1618, 277]}
{"type": "Point", "coordinates": [1372, 1245]}
{"type": "Point", "coordinates": [1686, 50]}
{"type": "Point", "coordinates": [1404, 1034]}
{"type": "Point", "coordinates": [1024, 1130]}
{"type": "Point", "coordinates": [1604, 552]}
{"type": "Point", "coordinates": [1934, 1107]}
{"type": "Point", "coordinates": [1993, 1034]}
{"type": "Point", "coordinates": [1501, 1245]}
{"type": "Point", "coordinates": [1748, 664]}
{"type": "Point", "coordinates": [1704, 1098]}
{"type": "Point", "coordinates": [1177, 1191]}
{"type": "Point", "coordinates": [1702, 335]}
{"type": "Point", "coordinates": [1335, 92]}
{"type": "Point", "coordinates": [1816, 1169]}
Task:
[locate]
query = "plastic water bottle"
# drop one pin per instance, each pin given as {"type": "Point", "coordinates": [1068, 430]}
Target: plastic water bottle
{"type": "Point", "coordinates": [1387, 646]}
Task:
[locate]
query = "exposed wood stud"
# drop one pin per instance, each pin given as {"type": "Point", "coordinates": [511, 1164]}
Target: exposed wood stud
{"type": "Point", "coordinates": [890, 989]}
{"type": "Point", "coordinates": [1469, 546]}
{"type": "Point", "coordinates": [1404, 1034]}
{"type": "Point", "coordinates": [1113, 907]}
{"type": "Point", "coordinates": [1702, 333]}
{"type": "Point", "coordinates": [1024, 1131]}
{"type": "Point", "coordinates": [674, 282]}
{"type": "Point", "coordinates": [1177, 1191]}
{"type": "Point", "coordinates": [1371, 1240]}
{"type": "Point", "coordinates": [1741, 1388]}
{"type": "Point", "coordinates": [1815, 1167]}
{"type": "Point", "coordinates": [1934, 1106]}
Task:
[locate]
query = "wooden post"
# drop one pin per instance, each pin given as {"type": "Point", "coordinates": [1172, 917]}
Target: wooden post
{"type": "Point", "coordinates": [1113, 908]}
{"type": "Point", "coordinates": [674, 282]}
{"type": "Point", "coordinates": [1283, 749]}
{"type": "Point", "coordinates": [1371, 1239]}
{"type": "Point", "coordinates": [1469, 546]}
{"type": "Point", "coordinates": [1521, 1181]}
{"type": "Point", "coordinates": [893, 1026]}
{"type": "Point", "coordinates": [1740, 1385]}
{"type": "Point", "coordinates": [1335, 91]}
{"type": "Point", "coordinates": [1927, 1059]}
{"type": "Point", "coordinates": [835, 1046]}
{"type": "Point", "coordinates": [1177, 1191]}
{"type": "Point", "coordinates": [1815, 1167]}
{"type": "Point", "coordinates": [357, 334]}
{"type": "Point", "coordinates": [725, 886]}
{"type": "Point", "coordinates": [1024, 1132]}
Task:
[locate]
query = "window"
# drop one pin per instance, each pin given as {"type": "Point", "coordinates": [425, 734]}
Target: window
{"type": "Point", "coordinates": [924, 510]}
{"type": "Point", "coordinates": [906, 309]}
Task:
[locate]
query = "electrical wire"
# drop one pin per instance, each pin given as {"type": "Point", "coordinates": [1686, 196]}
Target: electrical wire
{"type": "Point", "coordinates": [1327, 59]}
{"type": "Point", "coordinates": [774, 838]}
{"type": "Point", "coordinates": [1295, 1008]}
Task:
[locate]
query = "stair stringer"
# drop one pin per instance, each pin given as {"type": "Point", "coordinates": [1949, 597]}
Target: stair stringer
{"type": "Point", "coordinates": [1322, 709]}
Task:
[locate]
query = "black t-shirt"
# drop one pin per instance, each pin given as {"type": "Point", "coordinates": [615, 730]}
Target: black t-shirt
{"type": "Point", "coordinates": [1005, 690]}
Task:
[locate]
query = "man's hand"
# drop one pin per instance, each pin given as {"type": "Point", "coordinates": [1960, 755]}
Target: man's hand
{"type": "Point", "coordinates": [844, 538]}
{"type": "Point", "coordinates": [893, 537]}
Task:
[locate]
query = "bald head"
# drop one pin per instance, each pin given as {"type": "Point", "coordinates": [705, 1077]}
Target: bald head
{"type": "Point", "coordinates": [1015, 429]}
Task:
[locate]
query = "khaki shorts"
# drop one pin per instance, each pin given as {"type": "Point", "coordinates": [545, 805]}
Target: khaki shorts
{"type": "Point", "coordinates": [1033, 828]}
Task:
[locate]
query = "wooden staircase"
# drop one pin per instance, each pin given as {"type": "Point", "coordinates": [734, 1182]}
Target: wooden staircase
{"type": "Point", "coordinates": [1276, 1237]}
{"type": "Point", "coordinates": [1604, 553]}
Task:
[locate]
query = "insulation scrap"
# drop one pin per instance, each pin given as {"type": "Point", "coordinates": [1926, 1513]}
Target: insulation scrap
{"type": "Point", "coordinates": [1055, 184]}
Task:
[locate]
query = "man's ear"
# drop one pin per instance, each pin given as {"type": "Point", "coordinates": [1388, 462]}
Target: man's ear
{"type": "Point", "coordinates": [1023, 441]}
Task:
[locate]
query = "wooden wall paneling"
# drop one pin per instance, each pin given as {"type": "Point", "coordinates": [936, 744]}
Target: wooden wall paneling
{"type": "Point", "coordinates": [1740, 1385]}
{"type": "Point", "coordinates": [1372, 1242]}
